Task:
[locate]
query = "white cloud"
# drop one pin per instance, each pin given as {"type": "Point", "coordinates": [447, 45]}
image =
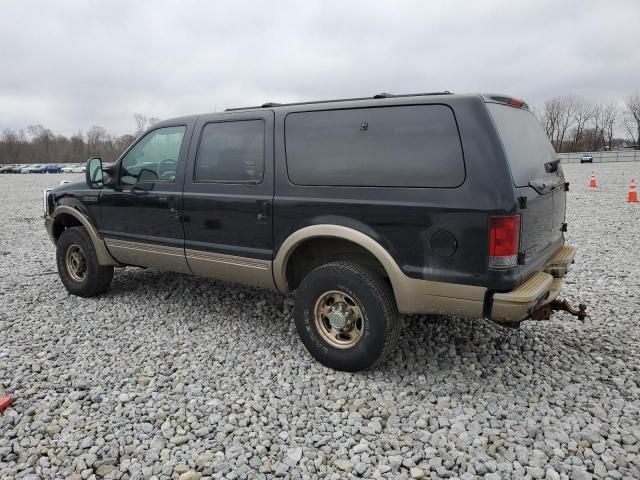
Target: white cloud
{"type": "Point", "coordinates": [70, 65]}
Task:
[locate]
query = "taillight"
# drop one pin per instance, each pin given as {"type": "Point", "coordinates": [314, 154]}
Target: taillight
{"type": "Point", "coordinates": [504, 240]}
{"type": "Point", "coordinates": [516, 102]}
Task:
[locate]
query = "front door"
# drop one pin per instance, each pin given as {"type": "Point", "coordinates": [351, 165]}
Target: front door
{"type": "Point", "coordinates": [228, 195]}
{"type": "Point", "coordinates": [141, 217]}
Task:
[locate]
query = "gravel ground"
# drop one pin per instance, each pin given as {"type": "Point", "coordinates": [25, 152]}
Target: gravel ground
{"type": "Point", "coordinates": [171, 376]}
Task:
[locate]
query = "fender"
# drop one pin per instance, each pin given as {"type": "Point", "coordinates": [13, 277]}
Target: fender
{"type": "Point", "coordinates": [412, 295]}
{"type": "Point", "coordinates": [104, 257]}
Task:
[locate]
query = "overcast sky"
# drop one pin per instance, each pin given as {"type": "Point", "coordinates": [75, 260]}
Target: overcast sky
{"type": "Point", "coordinates": [70, 65]}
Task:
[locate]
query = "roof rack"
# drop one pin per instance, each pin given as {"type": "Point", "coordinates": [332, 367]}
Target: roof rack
{"type": "Point", "coordinates": [377, 96]}
{"type": "Point", "coordinates": [391, 95]}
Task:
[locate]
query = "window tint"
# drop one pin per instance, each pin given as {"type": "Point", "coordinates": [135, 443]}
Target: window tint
{"type": "Point", "coordinates": [412, 146]}
{"type": "Point", "coordinates": [525, 143]}
{"type": "Point", "coordinates": [231, 152]}
{"type": "Point", "coordinates": [154, 158]}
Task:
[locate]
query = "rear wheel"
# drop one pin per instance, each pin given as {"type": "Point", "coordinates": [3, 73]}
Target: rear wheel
{"type": "Point", "coordinates": [78, 266]}
{"type": "Point", "coordinates": [346, 316]}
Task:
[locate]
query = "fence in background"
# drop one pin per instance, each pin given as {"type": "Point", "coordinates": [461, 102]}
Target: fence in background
{"type": "Point", "coordinates": [602, 157]}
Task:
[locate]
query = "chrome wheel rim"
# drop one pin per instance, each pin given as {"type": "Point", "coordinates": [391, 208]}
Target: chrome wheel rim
{"type": "Point", "coordinates": [76, 263]}
{"type": "Point", "coordinates": [338, 319]}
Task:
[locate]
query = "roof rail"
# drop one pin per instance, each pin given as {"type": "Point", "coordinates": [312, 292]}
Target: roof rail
{"type": "Point", "coordinates": [377, 96]}
{"type": "Point", "coordinates": [426, 94]}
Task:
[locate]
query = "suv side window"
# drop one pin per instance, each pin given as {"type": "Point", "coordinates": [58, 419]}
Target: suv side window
{"type": "Point", "coordinates": [403, 146]}
{"type": "Point", "coordinates": [154, 158]}
{"type": "Point", "coordinates": [231, 152]}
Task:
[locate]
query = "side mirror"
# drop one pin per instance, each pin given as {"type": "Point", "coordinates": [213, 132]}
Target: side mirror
{"type": "Point", "coordinates": [93, 173]}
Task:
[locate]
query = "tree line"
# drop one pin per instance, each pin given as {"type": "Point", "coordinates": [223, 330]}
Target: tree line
{"type": "Point", "coordinates": [40, 145]}
{"type": "Point", "coordinates": [572, 123]}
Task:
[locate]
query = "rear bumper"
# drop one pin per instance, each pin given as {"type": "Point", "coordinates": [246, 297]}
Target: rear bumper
{"type": "Point", "coordinates": [540, 289]}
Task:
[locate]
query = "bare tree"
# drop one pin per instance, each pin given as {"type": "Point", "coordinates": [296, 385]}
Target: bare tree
{"type": "Point", "coordinates": [11, 143]}
{"type": "Point", "coordinates": [152, 121]}
{"type": "Point", "coordinates": [568, 106]}
{"type": "Point", "coordinates": [141, 122]}
{"type": "Point", "coordinates": [96, 135]}
{"type": "Point", "coordinates": [582, 113]}
{"type": "Point", "coordinates": [42, 138]}
{"type": "Point", "coordinates": [609, 121]}
{"type": "Point", "coordinates": [122, 142]}
{"type": "Point", "coordinates": [597, 137]}
{"type": "Point", "coordinates": [558, 117]}
{"type": "Point", "coordinates": [632, 117]}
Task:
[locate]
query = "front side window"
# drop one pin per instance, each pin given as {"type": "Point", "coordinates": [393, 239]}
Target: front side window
{"type": "Point", "coordinates": [231, 152]}
{"type": "Point", "coordinates": [154, 158]}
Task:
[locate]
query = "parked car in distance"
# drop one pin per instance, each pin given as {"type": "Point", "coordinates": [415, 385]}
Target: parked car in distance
{"type": "Point", "coordinates": [366, 208]}
{"type": "Point", "coordinates": [29, 168]}
{"type": "Point", "coordinates": [586, 158]}
{"type": "Point", "coordinates": [74, 168]}
{"type": "Point", "coordinates": [7, 168]}
{"type": "Point", "coordinates": [46, 168]}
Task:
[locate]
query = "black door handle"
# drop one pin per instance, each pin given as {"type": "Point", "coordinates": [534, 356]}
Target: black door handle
{"type": "Point", "coordinates": [174, 212]}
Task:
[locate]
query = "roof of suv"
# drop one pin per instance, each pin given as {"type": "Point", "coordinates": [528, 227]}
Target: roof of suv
{"type": "Point", "coordinates": [378, 96]}
{"type": "Point", "coordinates": [492, 98]}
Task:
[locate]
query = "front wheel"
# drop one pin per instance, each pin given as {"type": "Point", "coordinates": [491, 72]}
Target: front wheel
{"type": "Point", "coordinates": [346, 316]}
{"type": "Point", "coordinates": [78, 266]}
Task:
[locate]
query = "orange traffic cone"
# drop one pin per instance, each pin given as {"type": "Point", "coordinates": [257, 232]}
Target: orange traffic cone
{"type": "Point", "coordinates": [593, 183]}
{"type": "Point", "coordinates": [633, 193]}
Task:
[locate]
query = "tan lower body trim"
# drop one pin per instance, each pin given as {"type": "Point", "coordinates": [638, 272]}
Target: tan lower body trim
{"type": "Point", "coordinates": [424, 296]}
{"type": "Point", "coordinates": [104, 258]}
{"type": "Point", "coordinates": [516, 305]}
{"type": "Point", "coordinates": [161, 257]}
{"type": "Point", "coordinates": [541, 288]}
{"type": "Point", "coordinates": [412, 295]}
{"type": "Point", "coordinates": [248, 271]}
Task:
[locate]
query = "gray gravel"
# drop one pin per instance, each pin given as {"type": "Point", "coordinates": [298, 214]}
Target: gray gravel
{"type": "Point", "coordinates": [170, 376]}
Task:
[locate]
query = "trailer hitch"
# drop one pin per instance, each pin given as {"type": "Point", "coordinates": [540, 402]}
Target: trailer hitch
{"type": "Point", "coordinates": [544, 312]}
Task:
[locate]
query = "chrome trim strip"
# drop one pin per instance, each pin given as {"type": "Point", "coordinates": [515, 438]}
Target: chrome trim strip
{"type": "Point", "coordinates": [145, 247]}
{"type": "Point", "coordinates": [228, 259]}
{"type": "Point", "coordinates": [141, 254]}
{"type": "Point", "coordinates": [219, 266]}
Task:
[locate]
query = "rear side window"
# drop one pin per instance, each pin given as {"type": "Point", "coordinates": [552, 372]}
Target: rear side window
{"type": "Point", "coordinates": [231, 152]}
{"type": "Point", "coordinates": [411, 146]}
{"type": "Point", "coordinates": [525, 143]}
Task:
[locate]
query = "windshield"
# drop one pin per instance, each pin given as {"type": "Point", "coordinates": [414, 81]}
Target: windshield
{"type": "Point", "coordinates": [525, 143]}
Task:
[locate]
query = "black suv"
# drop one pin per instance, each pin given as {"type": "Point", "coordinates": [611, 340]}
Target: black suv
{"type": "Point", "coordinates": [367, 207]}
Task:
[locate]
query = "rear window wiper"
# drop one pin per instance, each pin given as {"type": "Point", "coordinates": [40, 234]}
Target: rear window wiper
{"type": "Point", "coordinates": [552, 166]}
{"type": "Point", "coordinates": [545, 185]}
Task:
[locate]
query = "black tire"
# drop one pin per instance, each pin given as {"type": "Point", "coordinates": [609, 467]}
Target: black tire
{"type": "Point", "coordinates": [96, 278]}
{"type": "Point", "coordinates": [373, 297]}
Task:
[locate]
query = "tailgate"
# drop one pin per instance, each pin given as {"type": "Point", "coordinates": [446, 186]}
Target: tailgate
{"type": "Point", "coordinates": [542, 221]}
{"type": "Point", "coordinates": [538, 177]}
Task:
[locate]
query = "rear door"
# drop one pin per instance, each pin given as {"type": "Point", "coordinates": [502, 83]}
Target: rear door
{"type": "Point", "coordinates": [537, 176]}
{"type": "Point", "coordinates": [228, 197]}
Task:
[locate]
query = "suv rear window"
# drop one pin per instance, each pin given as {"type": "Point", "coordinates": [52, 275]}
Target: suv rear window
{"type": "Point", "coordinates": [525, 143]}
{"type": "Point", "coordinates": [408, 146]}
